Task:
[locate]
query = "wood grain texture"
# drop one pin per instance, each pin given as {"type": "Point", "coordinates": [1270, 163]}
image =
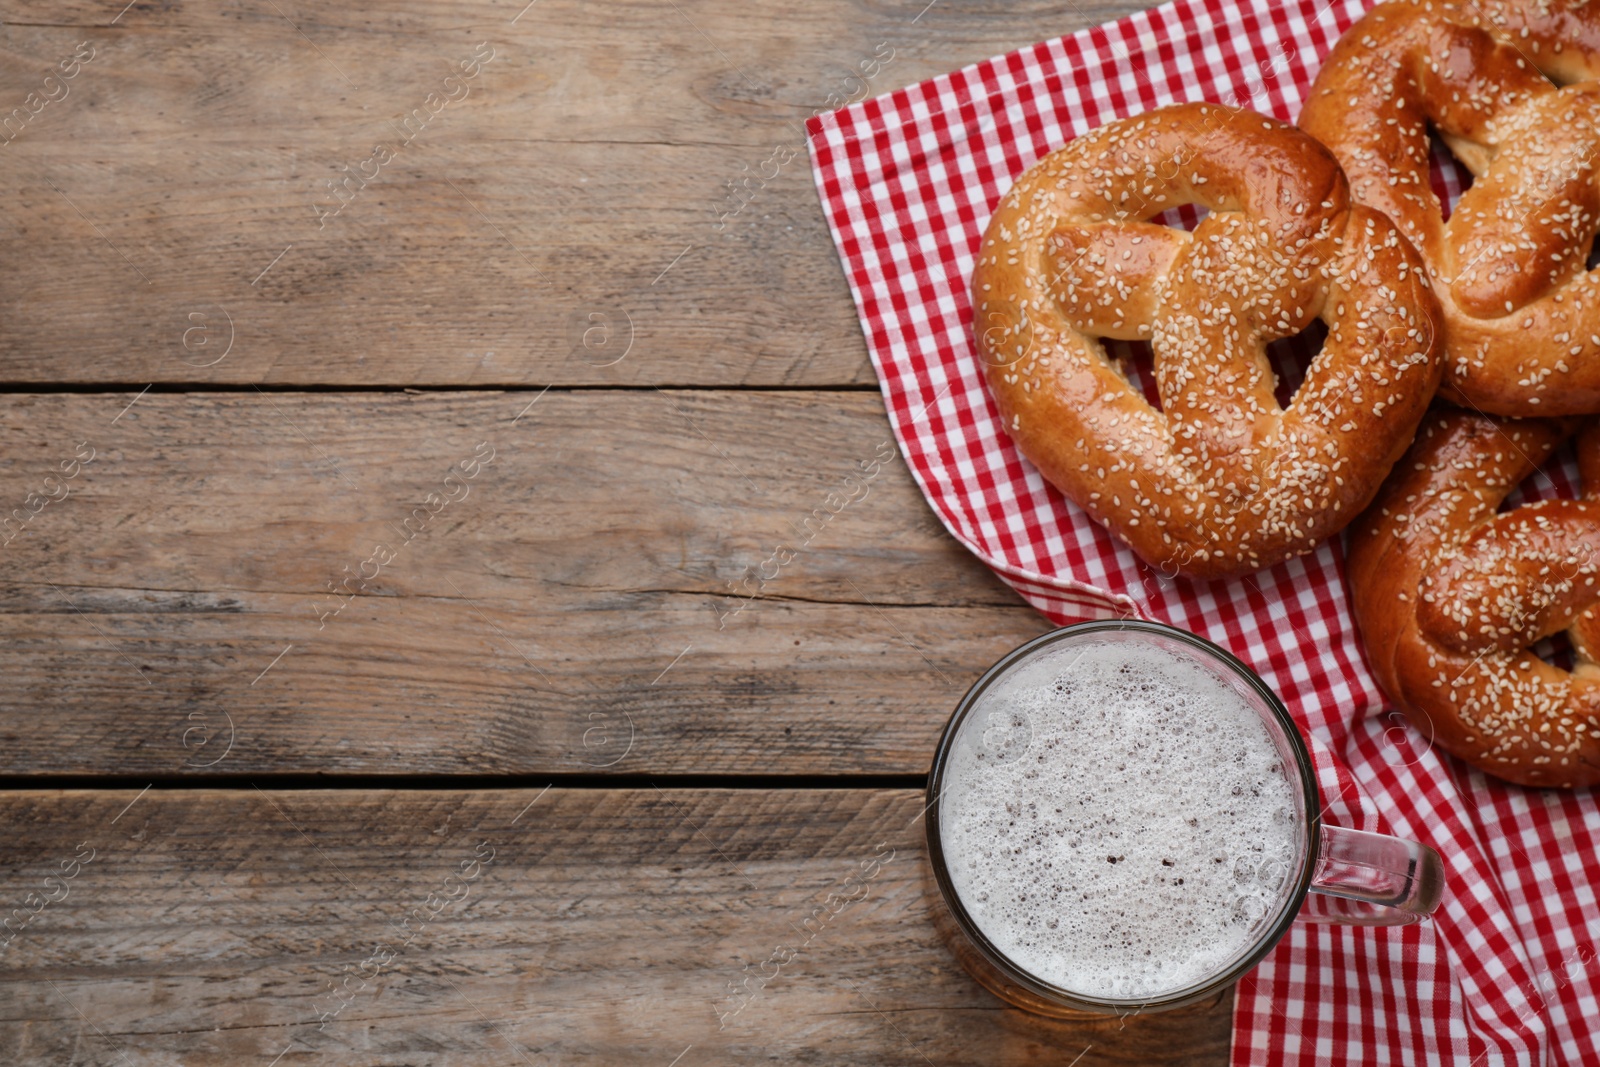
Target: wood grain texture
{"type": "Point", "coordinates": [523, 234]}
{"type": "Point", "coordinates": [166, 606]}
{"type": "Point", "coordinates": [211, 928]}
{"type": "Point", "coordinates": [573, 610]}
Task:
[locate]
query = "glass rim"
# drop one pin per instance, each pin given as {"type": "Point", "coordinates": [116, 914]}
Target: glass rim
{"type": "Point", "coordinates": [1187, 994]}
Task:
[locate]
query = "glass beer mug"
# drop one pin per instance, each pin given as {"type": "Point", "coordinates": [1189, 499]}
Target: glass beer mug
{"type": "Point", "coordinates": [1045, 736]}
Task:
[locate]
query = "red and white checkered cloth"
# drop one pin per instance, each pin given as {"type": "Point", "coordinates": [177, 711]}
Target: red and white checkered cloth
{"type": "Point", "coordinates": [1506, 972]}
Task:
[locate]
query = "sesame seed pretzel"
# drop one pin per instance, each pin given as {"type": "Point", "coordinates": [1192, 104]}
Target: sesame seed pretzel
{"type": "Point", "coordinates": [1220, 480]}
{"type": "Point", "coordinates": [1449, 594]}
{"type": "Point", "coordinates": [1521, 313]}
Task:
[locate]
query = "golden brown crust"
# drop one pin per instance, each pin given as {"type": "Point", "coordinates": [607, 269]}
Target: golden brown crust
{"type": "Point", "coordinates": [1521, 313]}
{"type": "Point", "coordinates": [1449, 594]}
{"type": "Point", "coordinates": [1221, 480]}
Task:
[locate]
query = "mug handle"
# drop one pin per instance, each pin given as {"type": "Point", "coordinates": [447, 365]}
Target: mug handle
{"type": "Point", "coordinates": [1365, 879]}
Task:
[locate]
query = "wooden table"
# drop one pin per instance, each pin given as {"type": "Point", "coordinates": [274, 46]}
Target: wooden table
{"type": "Point", "coordinates": [399, 402]}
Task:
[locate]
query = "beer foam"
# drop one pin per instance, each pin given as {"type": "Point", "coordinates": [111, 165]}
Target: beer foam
{"type": "Point", "coordinates": [1117, 820]}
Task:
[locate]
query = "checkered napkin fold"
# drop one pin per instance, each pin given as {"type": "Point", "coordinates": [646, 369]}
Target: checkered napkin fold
{"type": "Point", "coordinates": [1506, 971]}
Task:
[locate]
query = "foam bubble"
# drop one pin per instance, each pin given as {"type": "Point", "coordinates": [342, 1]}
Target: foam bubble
{"type": "Point", "coordinates": [1138, 840]}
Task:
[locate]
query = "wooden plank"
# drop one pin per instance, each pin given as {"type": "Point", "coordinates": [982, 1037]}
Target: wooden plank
{"type": "Point", "coordinates": [169, 218]}
{"type": "Point", "coordinates": [213, 927]}
{"type": "Point", "coordinates": [569, 606]}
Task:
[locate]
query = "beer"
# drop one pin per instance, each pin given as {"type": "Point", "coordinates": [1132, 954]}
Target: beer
{"type": "Point", "coordinates": [1118, 821]}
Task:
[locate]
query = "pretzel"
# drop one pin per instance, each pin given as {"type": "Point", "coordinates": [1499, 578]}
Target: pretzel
{"type": "Point", "coordinates": [1521, 314]}
{"type": "Point", "coordinates": [1448, 595]}
{"type": "Point", "coordinates": [1221, 480]}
